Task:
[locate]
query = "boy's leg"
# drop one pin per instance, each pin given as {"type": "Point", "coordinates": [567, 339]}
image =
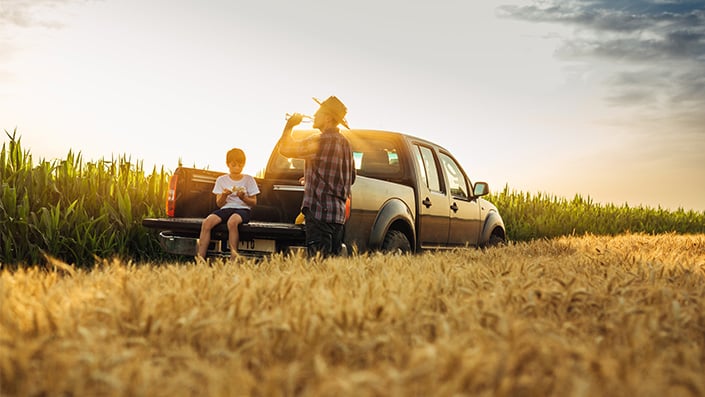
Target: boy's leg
{"type": "Point", "coordinates": [204, 239]}
{"type": "Point", "coordinates": [233, 233]}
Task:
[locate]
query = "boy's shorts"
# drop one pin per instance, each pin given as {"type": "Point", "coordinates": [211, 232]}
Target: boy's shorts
{"type": "Point", "coordinates": [225, 213]}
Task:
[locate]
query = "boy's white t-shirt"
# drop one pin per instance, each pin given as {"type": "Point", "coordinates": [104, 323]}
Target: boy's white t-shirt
{"type": "Point", "coordinates": [233, 201]}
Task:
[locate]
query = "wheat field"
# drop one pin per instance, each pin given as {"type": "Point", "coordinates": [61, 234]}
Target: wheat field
{"type": "Point", "coordinates": [571, 316]}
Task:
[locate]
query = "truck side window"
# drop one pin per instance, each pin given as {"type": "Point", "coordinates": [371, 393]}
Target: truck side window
{"type": "Point", "coordinates": [456, 179]}
{"type": "Point", "coordinates": [427, 168]}
{"type": "Point", "coordinates": [376, 158]}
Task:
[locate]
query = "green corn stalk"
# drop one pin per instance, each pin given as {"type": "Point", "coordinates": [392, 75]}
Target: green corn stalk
{"type": "Point", "coordinates": [75, 210]}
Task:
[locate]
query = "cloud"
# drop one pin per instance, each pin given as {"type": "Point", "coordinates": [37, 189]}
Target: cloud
{"type": "Point", "coordinates": [26, 14]}
{"type": "Point", "coordinates": [655, 49]}
{"type": "Point", "coordinates": [22, 13]}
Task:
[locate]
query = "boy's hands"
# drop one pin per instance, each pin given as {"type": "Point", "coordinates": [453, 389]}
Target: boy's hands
{"type": "Point", "coordinates": [240, 191]}
{"type": "Point", "coordinates": [222, 197]}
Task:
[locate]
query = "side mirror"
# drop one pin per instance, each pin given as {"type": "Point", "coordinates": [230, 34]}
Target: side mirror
{"type": "Point", "coordinates": [481, 189]}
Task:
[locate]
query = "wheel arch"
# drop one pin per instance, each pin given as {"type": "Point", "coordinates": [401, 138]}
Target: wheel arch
{"type": "Point", "coordinates": [493, 225]}
{"type": "Point", "coordinates": [394, 215]}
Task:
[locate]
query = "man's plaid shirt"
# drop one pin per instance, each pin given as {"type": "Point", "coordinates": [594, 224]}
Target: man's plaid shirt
{"type": "Point", "coordinates": [328, 175]}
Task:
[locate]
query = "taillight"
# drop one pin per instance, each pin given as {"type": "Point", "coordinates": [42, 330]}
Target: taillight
{"type": "Point", "coordinates": [171, 196]}
{"type": "Point", "coordinates": [348, 204]}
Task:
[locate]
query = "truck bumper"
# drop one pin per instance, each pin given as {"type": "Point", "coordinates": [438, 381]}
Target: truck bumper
{"type": "Point", "coordinates": [178, 245]}
{"type": "Point", "coordinates": [189, 246]}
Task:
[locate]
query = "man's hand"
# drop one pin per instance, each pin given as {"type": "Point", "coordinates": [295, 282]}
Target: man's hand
{"type": "Point", "coordinates": [288, 146]}
{"type": "Point", "coordinates": [293, 121]}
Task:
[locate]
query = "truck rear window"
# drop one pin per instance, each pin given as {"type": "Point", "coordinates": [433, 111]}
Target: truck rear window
{"type": "Point", "coordinates": [374, 157]}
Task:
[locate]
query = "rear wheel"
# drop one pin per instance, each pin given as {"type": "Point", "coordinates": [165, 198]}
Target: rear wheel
{"type": "Point", "coordinates": [395, 242]}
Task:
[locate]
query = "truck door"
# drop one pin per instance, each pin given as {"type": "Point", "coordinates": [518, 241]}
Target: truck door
{"type": "Point", "coordinates": [465, 221]}
{"type": "Point", "coordinates": [433, 210]}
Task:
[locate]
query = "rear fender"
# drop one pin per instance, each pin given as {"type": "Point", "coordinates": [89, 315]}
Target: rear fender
{"type": "Point", "coordinates": [393, 211]}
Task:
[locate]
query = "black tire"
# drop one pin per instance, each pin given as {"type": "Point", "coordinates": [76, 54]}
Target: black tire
{"type": "Point", "coordinates": [395, 242]}
{"type": "Point", "coordinates": [495, 241]}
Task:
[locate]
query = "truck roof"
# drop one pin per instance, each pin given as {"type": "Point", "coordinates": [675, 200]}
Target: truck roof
{"type": "Point", "coordinates": [361, 131]}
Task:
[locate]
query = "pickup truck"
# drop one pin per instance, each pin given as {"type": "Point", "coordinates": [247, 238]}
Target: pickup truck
{"type": "Point", "coordinates": [410, 195]}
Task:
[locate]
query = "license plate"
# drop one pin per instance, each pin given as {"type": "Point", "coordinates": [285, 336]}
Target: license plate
{"type": "Point", "coordinates": [256, 245]}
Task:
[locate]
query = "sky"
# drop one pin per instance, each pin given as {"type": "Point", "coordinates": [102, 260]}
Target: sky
{"type": "Point", "coordinates": [601, 98]}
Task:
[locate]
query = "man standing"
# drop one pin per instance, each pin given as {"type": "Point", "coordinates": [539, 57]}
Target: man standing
{"type": "Point", "coordinates": [328, 174]}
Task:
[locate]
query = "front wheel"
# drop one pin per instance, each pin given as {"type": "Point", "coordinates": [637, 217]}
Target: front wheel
{"type": "Point", "coordinates": [395, 242]}
{"type": "Point", "coordinates": [495, 241]}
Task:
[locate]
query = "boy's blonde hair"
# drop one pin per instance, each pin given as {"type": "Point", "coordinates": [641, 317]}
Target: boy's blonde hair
{"type": "Point", "coordinates": [235, 155]}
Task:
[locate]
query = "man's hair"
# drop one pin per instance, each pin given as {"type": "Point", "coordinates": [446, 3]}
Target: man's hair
{"type": "Point", "coordinates": [235, 156]}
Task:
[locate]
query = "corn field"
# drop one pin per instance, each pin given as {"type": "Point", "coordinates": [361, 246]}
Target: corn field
{"type": "Point", "coordinates": [529, 216]}
{"type": "Point", "coordinates": [82, 211]}
{"type": "Point", "coordinates": [570, 316]}
{"type": "Point", "coordinates": [75, 210]}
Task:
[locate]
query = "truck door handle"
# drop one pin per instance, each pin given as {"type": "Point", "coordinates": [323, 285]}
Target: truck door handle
{"type": "Point", "coordinates": [454, 207]}
{"type": "Point", "coordinates": [426, 202]}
